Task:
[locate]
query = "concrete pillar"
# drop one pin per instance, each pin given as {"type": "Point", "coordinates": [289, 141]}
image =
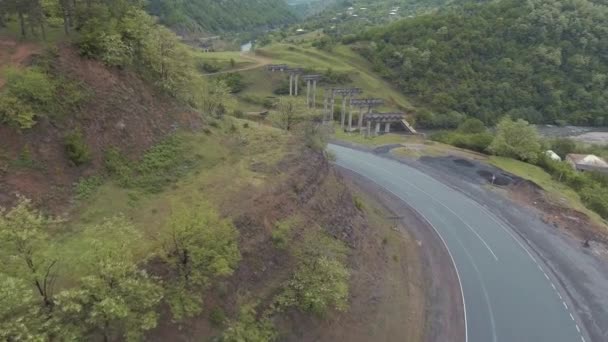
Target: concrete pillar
{"type": "Point", "coordinates": [350, 114]}
{"type": "Point", "coordinates": [314, 94]}
{"type": "Point", "coordinates": [361, 120]}
{"type": "Point", "coordinates": [325, 113]}
{"type": "Point", "coordinates": [387, 127]}
{"type": "Point", "coordinates": [308, 94]}
{"type": "Point", "coordinates": [377, 130]}
{"type": "Point", "coordinates": [290, 84]}
{"type": "Point", "coordinates": [297, 83]}
{"type": "Point", "coordinates": [333, 105]}
{"type": "Point", "coordinates": [343, 112]}
{"type": "Point", "coordinates": [369, 128]}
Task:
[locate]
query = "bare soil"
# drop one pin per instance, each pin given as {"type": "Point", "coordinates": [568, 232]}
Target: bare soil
{"type": "Point", "coordinates": [15, 54]}
{"type": "Point", "coordinates": [121, 111]}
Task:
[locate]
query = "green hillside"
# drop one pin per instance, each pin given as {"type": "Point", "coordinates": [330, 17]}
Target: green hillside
{"type": "Point", "coordinates": [227, 15]}
{"type": "Point", "coordinates": [541, 60]}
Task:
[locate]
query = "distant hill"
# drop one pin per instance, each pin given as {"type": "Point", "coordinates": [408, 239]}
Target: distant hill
{"type": "Point", "coordinates": [217, 16]}
{"type": "Point", "coordinates": [541, 60]}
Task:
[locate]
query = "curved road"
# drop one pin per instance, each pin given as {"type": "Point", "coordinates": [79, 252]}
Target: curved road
{"type": "Point", "coordinates": [507, 294]}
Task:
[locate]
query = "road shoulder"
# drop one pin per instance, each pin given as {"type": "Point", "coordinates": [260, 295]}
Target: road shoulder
{"type": "Point", "coordinates": [444, 308]}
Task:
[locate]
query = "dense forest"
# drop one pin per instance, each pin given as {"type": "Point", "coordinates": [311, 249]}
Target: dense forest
{"type": "Point", "coordinates": [226, 15]}
{"type": "Point", "coordinates": [540, 60]}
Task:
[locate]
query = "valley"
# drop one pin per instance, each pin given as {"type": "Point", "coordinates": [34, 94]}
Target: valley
{"type": "Point", "coordinates": [161, 178]}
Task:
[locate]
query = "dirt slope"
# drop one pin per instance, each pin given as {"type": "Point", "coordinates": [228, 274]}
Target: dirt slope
{"type": "Point", "coordinates": [121, 111]}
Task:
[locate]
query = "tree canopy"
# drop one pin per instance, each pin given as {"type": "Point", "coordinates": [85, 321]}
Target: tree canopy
{"type": "Point", "coordinates": [227, 15]}
{"type": "Point", "coordinates": [538, 60]}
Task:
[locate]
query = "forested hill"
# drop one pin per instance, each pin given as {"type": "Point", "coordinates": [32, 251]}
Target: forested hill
{"type": "Point", "coordinates": [541, 60]}
{"type": "Point", "coordinates": [224, 15]}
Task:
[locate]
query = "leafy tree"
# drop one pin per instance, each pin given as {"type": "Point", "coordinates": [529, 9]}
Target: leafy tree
{"type": "Point", "coordinates": [116, 299]}
{"type": "Point", "coordinates": [516, 139]}
{"type": "Point", "coordinates": [26, 251]}
{"type": "Point", "coordinates": [250, 329]}
{"type": "Point", "coordinates": [20, 314]}
{"type": "Point", "coordinates": [472, 126]}
{"type": "Point", "coordinates": [288, 112]}
{"type": "Point", "coordinates": [537, 60]}
{"type": "Point", "coordinates": [317, 285]}
{"type": "Point", "coordinates": [198, 246]}
{"type": "Point", "coordinates": [15, 112]}
{"type": "Point", "coordinates": [563, 146]}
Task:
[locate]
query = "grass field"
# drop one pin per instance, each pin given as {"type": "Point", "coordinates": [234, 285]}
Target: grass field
{"type": "Point", "coordinates": [223, 169]}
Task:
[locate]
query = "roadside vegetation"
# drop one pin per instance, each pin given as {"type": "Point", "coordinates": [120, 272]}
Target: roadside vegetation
{"type": "Point", "coordinates": [518, 140]}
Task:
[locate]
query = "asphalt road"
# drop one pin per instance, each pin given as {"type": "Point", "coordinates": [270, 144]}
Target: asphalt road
{"type": "Point", "coordinates": [508, 295]}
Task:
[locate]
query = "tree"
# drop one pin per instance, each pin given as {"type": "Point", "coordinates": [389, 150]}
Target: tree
{"type": "Point", "coordinates": [563, 146]}
{"type": "Point", "coordinates": [288, 111]}
{"type": "Point", "coordinates": [472, 126]}
{"type": "Point", "coordinates": [516, 139]}
{"type": "Point", "coordinates": [198, 245]}
{"type": "Point", "coordinates": [318, 284]}
{"type": "Point", "coordinates": [116, 299]}
{"type": "Point", "coordinates": [25, 247]}
{"type": "Point", "coordinates": [20, 315]}
{"type": "Point", "coordinates": [249, 329]}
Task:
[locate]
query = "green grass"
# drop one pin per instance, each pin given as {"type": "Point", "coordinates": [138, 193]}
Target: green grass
{"type": "Point", "coordinates": [341, 59]}
{"type": "Point", "coordinates": [224, 170]}
{"type": "Point", "coordinates": [357, 138]}
{"type": "Point", "coordinates": [555, 190]}
{"type": "Point", "coordinates": [223, 59]}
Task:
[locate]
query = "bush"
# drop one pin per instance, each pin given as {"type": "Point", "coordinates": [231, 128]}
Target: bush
{"type": "Point", "coordinates": [477, 142]}
{"type": "Point", "coordinates": [249, 329]}
{"type": "Point", "coordinates": [87, 186]}
{"type": "Point", "coordinates": [217, 317]}
{"type": "Point", "coordinates": [472, 126]}
{"type": "Point", "coordinates": [76, 148]}
{"type": "Point", "coordinates": [281, 234]}
{"type": "Point", "coordinates": [516, 139]}
{"type": "Point", "coordinates": [562, 146]}
{"type": "Point", "coordinates": [234, 81]}
{"type": "Point", "coordinates": [318, 285]}
{"type": "Point", "coordinates": [16, 113]}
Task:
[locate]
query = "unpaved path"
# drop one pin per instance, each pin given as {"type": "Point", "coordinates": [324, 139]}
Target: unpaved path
{"type": "Point", "coordinates": [260, 61]}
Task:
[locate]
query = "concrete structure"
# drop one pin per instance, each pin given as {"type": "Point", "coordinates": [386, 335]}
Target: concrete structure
{"type": "Point", "coordinates": [294, 75]}
{"type": "Point", "coordinates": [368, 105]}
{"type": "Point", "coordinates": [311, 99]}
{"type": "Point", "coordinates": [347, 94]}
{"type": "Point", "coordinates": [384, 122]}
{"type": "Point", "coordinates": [587, 162]}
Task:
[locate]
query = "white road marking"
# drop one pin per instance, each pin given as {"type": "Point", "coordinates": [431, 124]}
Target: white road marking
{"type": "Point", "coordinates": [440, 203]}
{"type": "Point", "coordinates": [489, 214]}
{"type": "Point", "coordinates": [464, 305]}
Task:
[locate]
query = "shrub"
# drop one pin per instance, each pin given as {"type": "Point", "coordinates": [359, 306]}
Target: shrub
{"type": "Point", "coordinates": [472, 126]}
{"type": "Point", "coordinates": [249, 329]}
{"type": "Point", "coordinates": [87, 186]}
{"type": "Point", "coordinates": [318, 285]}
{"type": "Point", "coordinates": [516, 139]}
{"type": "Point", "coordinates": [217, 317]}
{"type": "Point", "coordinates": [15, 112]}
{"type": "Point", "coordinates": [76, 148]}
{"type": "Point", "coordinates": [281, 234]}
{"type": "Point", "coordinates": [562, 146]}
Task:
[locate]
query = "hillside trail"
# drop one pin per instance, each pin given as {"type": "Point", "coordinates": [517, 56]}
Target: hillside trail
{"type": "Point", "coordinates": [259, 61]}
{"type": "Point", "coordinates": [15, 54]}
